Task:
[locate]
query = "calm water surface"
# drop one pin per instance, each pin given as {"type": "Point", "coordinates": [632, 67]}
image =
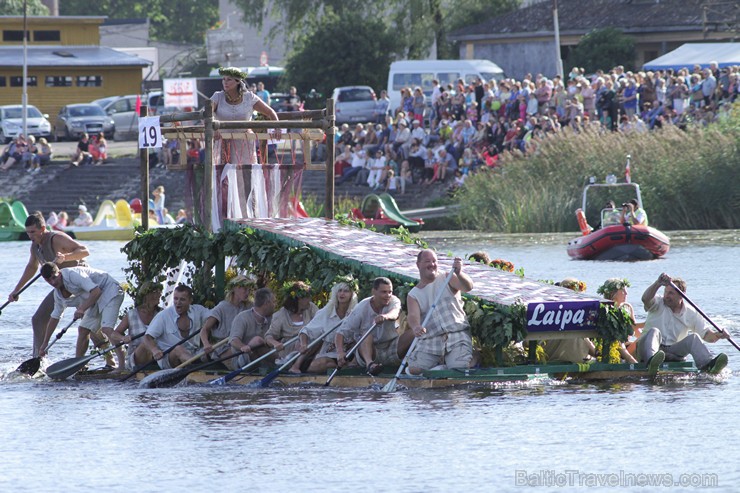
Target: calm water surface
{"type": "Point", "coordinates": [87, 436]}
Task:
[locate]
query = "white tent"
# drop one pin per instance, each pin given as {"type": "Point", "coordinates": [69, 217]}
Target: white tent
{"type": "Point", "coordinates": [690, 54]}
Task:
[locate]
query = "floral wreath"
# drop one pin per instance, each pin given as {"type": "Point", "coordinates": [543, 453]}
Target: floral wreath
{"type": "Point", "coordinates": [349, 280]}
{"type": "Point", "coordinates": [574, 285]}
{"type": "Point", "coordinates": [145, 288]}
{"type": "Point", "coordinates": [611, 286]}
{"type": "Point", "coordinates": [290, 290]}
{"type": "Point", "coordinates": [503, 265]}
{"type": "Point", "coordinates": [232, 72]}
{"type": "Point", "coordinates": [241, 282]}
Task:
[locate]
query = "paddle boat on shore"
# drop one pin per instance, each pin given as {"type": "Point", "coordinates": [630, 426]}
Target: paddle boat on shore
{"type": "Point", "coordinates": [614, 240]}
{"type": "Point", "coordinates": [382, 213]}
{"type": "Point", "coordinates": [112, 222]}
{"type": "Point", "coordinates": [13, 221]}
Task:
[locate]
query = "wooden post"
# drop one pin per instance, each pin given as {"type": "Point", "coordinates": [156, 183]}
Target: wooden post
{"type": "Point", "coordinates": [208, 165]}
{"type": "Point", "coordinates": [144, 170]}
{"type": "Point", "coordinates": [330, 133]}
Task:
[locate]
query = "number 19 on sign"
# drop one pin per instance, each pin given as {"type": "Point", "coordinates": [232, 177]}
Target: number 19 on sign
{"type": "Point", "coordinates": [150, 135]}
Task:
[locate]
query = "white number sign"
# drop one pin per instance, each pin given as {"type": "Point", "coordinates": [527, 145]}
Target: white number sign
{"type": "Point", "coordinates": [150, 135]}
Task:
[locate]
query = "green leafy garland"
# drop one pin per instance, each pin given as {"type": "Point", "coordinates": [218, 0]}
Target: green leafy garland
{"type": "Point", "coordinates": [153, 251]}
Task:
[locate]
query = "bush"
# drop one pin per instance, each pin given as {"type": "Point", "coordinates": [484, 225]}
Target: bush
{"type": "Point", "coordinates": [686, 178]}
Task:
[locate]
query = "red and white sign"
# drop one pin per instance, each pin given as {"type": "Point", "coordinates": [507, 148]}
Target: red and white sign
{"type": "Point", "coordinates": [180, 93]}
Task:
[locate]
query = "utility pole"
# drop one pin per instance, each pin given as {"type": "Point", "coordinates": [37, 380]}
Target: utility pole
{"type": "Point", "coordinates": [558, 60]}
{"type": "Point", "coordinates": [24, 97]}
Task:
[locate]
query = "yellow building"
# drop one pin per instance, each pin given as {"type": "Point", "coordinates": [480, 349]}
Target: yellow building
{"type": "Point", "coordinates": [65, 63]}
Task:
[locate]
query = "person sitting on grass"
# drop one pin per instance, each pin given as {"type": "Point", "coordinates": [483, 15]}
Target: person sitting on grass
{"type": "Point", "coordinates": [82, 152]}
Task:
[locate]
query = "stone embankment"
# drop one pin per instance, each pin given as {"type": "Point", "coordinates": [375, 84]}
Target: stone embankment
{"type": "Point", "coordinates": [59, 187]}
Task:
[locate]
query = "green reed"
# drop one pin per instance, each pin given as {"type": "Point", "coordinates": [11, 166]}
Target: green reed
{"type": "Point", "coordinates": [687, 179]}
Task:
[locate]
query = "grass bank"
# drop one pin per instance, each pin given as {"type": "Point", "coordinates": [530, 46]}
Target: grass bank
{"type": "Point", "coordinates": [687, 178]}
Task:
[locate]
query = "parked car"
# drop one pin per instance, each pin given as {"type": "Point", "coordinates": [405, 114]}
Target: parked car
{"type": "Point", "coordinates": [279, 101]}
{"type": "Point", "coordinates": [75, 119]}
{"type": "Point", "coordinates": [11, 122]}
{"type": "Point", "coordinates": [122, 109]}
{"type": "Point", "coordinates": [354, 104]}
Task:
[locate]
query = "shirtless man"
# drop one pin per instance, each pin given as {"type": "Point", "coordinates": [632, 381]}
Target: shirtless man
{"type": "Point", "coordinates": [169, 327]}
{"type": "Point", "coordinates": [446, 340]}
{"type": "Point", "coordinates": [47, 246]}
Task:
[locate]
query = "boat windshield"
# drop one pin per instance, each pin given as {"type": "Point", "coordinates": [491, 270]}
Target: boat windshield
{"type": "Point", "coordinates": [610, 217]}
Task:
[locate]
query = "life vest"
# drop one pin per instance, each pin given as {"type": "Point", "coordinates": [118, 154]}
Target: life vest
{"type": "Point", "coordinates": [582, 223]}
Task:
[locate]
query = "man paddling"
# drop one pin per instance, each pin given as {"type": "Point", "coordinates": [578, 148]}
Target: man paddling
{"type": "Point", "coordinates": [247, 332]}
{"type": "Point", "coordinates": [47, 246]}
{"type": "Point", "coordinates": [100, 300]}
{"type": "Point", "coordinates": [445, 341]}
{"type": "Point", "coordinates": [383, 346]}
{"type": "Point", "coordinates": [169, 330]}
{"type": "Point", "coordinates": [674, 330]}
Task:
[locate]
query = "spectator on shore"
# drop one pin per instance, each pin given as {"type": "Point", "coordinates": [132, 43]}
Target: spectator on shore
{"type": "Point", "coordinates": [82, 153]}
{"type": "Point", "coordinates": [84, 218]}
{"type": "Point", "coordinates": [99, 149]}
{"type": "Point", "coordinates": [182, 217]}
{"type": "Point", "coordinates": [62, 221]}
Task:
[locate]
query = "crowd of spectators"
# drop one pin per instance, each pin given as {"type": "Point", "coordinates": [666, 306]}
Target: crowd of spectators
{"type": "Point", "coordinates": [466, 127]}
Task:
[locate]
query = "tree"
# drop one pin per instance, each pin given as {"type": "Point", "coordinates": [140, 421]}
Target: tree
{"type": "Point", "coordinates": [184, 21]}
{"type": "Point", "coordinates": [417, 24]}
{"type": "Point", "coordinates": [341, 51]}
{"type": "Point", "coordinates": [15, 7]}
{"type": "Point", "coordinates": [603, 49]}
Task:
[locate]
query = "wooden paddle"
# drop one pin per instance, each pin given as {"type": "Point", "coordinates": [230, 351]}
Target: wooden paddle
{"type": "Point", "coordinates": [230, 376]}
{"type": "Point", "coordinates": [19, 292]}
{"type": "Point", "coordinates": [179, 375]}
{"type": "Point", "coordinates": [683, 295]}
{"type": "Point", "coordinates": [68, 367]}
{"type": "Point", "coordinates": [265, 382]}
{"type": "Point", "coordinates": [31, 366]}
{"type": "Point", "coordinates": [391, 385]}
{"type": "Point", "coordinates": [143, 366]}
{"type": "Point", "coordinates": [155, 379]}
{"type": "Point", "coordinates": [350, 353]}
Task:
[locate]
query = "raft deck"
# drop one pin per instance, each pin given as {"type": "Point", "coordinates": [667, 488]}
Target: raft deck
{"type": "Point", "coordinates": [553, 312]}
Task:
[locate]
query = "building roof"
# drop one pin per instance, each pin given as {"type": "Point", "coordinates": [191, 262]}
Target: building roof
{"type": "Point", "coordinates": [582, 16]}
{"type": "Point", "coordinates": [688, 55]}
{"type": "Point", "coordinates": [69, 56]}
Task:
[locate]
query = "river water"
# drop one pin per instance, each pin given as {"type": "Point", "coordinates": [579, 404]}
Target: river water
{"type": "Point", "coordinates": [102, 436]}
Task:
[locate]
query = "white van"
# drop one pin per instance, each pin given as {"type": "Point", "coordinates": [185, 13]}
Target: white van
{"type": "Point", "coordinates": [413, 73]}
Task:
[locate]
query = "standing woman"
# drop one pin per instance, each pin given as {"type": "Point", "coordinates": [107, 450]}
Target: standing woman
{"type": "Point", "coordinates": [297, 311]}
{"type": "Point", "coordinates": [159, 199]}
{"type": "Point", "coordinates": [236, 103]}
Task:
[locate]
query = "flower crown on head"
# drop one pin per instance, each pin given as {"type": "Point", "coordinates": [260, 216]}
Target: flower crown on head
{"type": "Point", "coordinates": [145, 288]}
{"type": "Point", "coordinates": [241, 282]}
{"type": "Point", "coordinates": [296, 289]}
{"type": "Point", "coordinates": [349, 280]}
{"type": "Point", "coordinates": [503, 265]}
{"type": "Point", "coordinates": [232, 72]}
{"type": "Point", "coordinates": [574, 285]}
{"type": "Point", "coordinates": [611, 286]}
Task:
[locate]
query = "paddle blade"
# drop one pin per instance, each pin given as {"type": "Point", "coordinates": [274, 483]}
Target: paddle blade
{"type": "Point", "coordinates": [163, 378]}
{"type": "Point", "coordinates": [68, 367]}
{"type": "Point", "coordinates": [30, 366]}
{"type": "Point", "coordinates": [218, 381]}
{"type": "Point", "coordinates": [265, 382]}
{"type": "Point", "coordinates": [391, 385]}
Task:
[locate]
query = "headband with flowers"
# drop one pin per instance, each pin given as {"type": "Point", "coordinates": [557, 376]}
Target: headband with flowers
{"type": "Point", "coordinates": [349, 280]}
{"type": "Point", "coordinates": [232, 72]}
{"type": "Point", "coordinates": [296, 289]}
{"type": "Point", "coordinates": [241, 281]}
{"type": "Point", "coordinates": [611, 286]}
{"type": "Point", "coordinates": [145, 288]}
{"type": "Point", "coordinates": [573, 285]}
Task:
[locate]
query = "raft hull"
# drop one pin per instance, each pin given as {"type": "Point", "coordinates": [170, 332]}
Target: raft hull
{"type": "Point", "coordinates": [620, 242]}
